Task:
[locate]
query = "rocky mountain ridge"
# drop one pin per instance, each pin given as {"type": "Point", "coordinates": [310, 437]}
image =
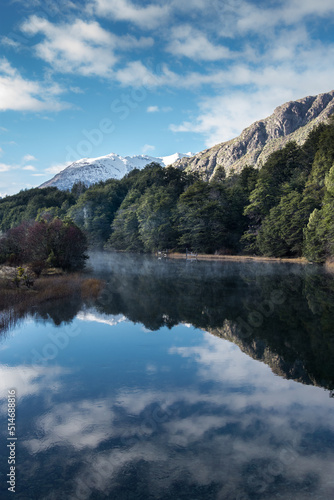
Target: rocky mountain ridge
{"type": "Point", "coordinates": [291, 121]}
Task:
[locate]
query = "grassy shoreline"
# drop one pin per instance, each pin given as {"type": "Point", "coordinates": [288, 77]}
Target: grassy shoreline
{"type": "Point", "coordinates": [243, 258]}
{"type": "Point", "coordinates": [17, 299]}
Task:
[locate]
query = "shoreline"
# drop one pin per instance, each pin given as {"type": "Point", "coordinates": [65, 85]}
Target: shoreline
{"type": "Point", "coordinates": [241, 258]}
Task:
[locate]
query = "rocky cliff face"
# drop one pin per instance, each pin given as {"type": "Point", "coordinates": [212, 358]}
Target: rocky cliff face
{"type": "Point", "coordinates": [292, 121]}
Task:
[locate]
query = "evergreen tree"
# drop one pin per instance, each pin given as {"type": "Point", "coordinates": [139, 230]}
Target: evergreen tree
{"type": "Point", "coordinates": [155, 216]}
{"type": "Point", "coordinates": [203, 217]}
{"type": "Point", "coordinates": [319, 233]}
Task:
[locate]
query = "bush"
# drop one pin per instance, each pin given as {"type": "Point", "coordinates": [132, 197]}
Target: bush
{"type": "Point", "coordinates": [45, 243]}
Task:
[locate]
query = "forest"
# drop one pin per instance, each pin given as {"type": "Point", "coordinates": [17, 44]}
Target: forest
{"type": "Point", "coordinates": [284, 209]}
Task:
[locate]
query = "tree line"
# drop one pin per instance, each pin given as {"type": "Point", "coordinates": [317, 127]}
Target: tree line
{"type": "Point", "coordinates": [284, 209]}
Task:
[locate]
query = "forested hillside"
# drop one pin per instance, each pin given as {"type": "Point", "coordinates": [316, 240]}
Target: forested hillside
{"type": "Point", "coordinates": [284, 209]}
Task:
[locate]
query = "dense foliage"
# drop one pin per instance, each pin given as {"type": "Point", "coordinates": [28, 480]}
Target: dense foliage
{"type": "Point", "coordinates": [29, 204]}
{"type": "Point", "coordinates": [291, 207]}
{"type": "Point", "coordinates": [284, 209]}
{"type": "Point", "coordinates": [44, 243]}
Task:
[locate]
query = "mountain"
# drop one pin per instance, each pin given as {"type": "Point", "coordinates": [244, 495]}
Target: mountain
{"type": "Point", "coordinates": [292, 121]}
{"type": "Point", "coordinates": [112, 166]}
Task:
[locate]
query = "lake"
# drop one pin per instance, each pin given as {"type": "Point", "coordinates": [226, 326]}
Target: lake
{"type": "Point", "coordinates": [184, 380]}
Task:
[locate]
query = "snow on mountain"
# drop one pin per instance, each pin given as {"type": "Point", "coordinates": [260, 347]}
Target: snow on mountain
{"type": "Point", "coordinates": [93, 315]}
{"type": "Point", "coordinates": [112, 166]}
{"type": "Point", "coordinates": [169, 160]}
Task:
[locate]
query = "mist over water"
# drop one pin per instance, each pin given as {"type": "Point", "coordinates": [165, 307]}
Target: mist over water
{"type": "Point", "coordinates": [206, 380]}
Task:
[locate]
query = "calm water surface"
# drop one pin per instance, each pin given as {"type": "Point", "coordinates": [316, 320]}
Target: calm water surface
{"type": "Point", "coordinates": [184, 380]}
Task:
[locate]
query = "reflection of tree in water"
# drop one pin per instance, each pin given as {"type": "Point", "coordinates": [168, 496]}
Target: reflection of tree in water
{"type": "Point", "coordinates": [54, 299]}
{"type": "Point", "coordinates": [301, 329]}
{"type": "Point", "coordinates": [60, 310]}
{"type": "Point", "coordinates": [295, 336]}
{"type": "Point", "coordinates": [168, 293]}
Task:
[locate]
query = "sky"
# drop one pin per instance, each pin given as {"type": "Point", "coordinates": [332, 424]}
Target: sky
{"type": "Point", "coordinates": [92, 77]}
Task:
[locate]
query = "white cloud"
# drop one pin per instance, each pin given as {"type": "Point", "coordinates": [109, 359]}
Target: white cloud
{"type": "Point", "coordinates": [157, 109]}
{"type": "Point", "coordinates": [28, 158]}
{"type": "Point", "coordinates": [189, 42]}
{"type": "Point", "coordinates": [19, 94]}
{"type": "Point", "coordinates": [250, 91]}
{"type": "Point", "coordinates": [137, 74]}
{"type": "Point", "coordinates": [251, 17]}
{"type": "Point", "coordinates": [223, 117]}
{"type": "Point", "coordinates": [56, 168]}
{"type": "Point", "coordinates": [30, 168]}
{"type": "Point", "coordinates": [49, 8]}
{"type": "Point", "coordinates": [152, 109]}
{"type": "Point", "coordinates": [147, 148]}
{"type": "Point", "coordinates": [4, 167]}
{"type": "Point", "coordinates": [76, 90]}
{"type": "Point", "coordinates": [6, 41]}
{"type": "Point", "coordinates": [146, 17]}
{"type": "Point", "coordinates": [80, 47]}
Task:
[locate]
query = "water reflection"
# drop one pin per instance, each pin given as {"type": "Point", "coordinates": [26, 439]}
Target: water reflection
{"type": "Point", "coordinates": [235, 431]}
{"type": "Point", "coordinates": [278, 313]}
{"type": "Point", "coordinates": [122, 411]}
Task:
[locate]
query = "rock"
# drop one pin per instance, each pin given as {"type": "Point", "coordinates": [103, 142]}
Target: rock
{"type": "Point", "coordinates": [292, 121]}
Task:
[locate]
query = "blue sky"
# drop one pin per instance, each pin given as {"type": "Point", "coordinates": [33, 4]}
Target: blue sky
{"type": "Point", "coordinates": [84, 79]}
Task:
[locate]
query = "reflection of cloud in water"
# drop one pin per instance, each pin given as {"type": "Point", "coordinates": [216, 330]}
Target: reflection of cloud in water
{"type": "Point", "coordinates": [94, 316]}
{"type": "Point", "coordinates": [81, 424]}
{"type": "Point", "coordinates": [151, 368]}
{"type": "Point", "coordinates": [30, 380]}
{"type": "Point", "coordinates": [222, 362]}
{"type": "Point", "coordinates": [240, 429]}
{"type": "Point", "coordinates": [190, 429]}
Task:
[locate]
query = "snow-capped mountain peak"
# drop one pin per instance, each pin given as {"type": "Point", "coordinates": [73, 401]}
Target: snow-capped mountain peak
{"type": "Point", "coordinates": [169, 160]}
{"type": "Point", "coordinates": [112, 166]}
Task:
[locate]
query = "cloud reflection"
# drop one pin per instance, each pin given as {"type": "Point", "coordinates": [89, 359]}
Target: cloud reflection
{"type": "Point", "coordinates": [30, 380]}
{"type": "Point", "coordinates": [79, 425]}
{"type": "Point", "coordinates": [239, 431]}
